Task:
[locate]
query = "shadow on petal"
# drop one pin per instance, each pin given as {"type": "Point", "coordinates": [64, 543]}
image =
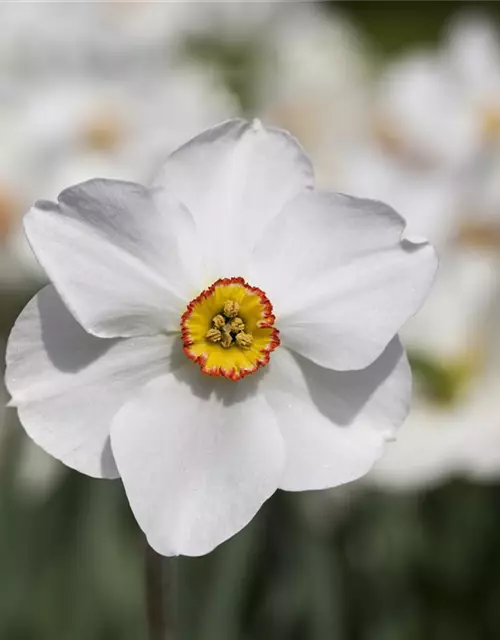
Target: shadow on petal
{"type": "Point", "coordinates": [69, 347]}
{"type": "Point", "coordinates": [341, 395]}
{"type": "Point", "coordinates": [202, 385]}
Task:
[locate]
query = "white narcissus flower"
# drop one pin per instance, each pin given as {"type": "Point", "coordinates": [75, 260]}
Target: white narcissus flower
{"type": "Point", "coordinates": [231, 264]}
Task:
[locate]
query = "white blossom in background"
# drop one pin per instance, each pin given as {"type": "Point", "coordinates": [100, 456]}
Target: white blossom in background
{"type": "Point", "coordinates": [35, 33]}
{"type": "Point", "coordinates": [17, 188]}
{"type": "Point", "coordinates": [202, 340]}
{"type": "Point", "coordinates": [138, 37]}
{"type": "Point", "coordinates": [472, 51]}
{"type": "Point", "coordinates": [316, 84]}
{"type": "Point", "coordinates": [454, 330]}
{"type": "Point", "coordinates": [439, 444]}
{"type": "Point", "coordinates": [429, 136]}
{"type": "Point", "coordinates": [304, 67]}
{"type": "Point", "coordinates": [234, 42]}
{"type": "Point", "coordinates": [430, 149]}
{"type": "Point", "coordinates": [441, 108]}
{"type": "Point", "coordinates": [70, 132]}
{"type": "Point", "coordinates": [74, 39]}
{"type": "Point", "coordinates": [126, 126]}
{"type": "Point", "coordinates": [430, 201]}
{"type": "Point", "coordinates": [452, 430]}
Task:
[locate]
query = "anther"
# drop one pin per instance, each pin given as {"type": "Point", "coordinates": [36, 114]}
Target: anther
{"type": "Point", "coordinates": [237, 325]}
{"type": "Point", "coordinates": [244, 340]}
{"type": "Point", "coordinates": [219, 321]}
{"type": "Point", "coordinates": [214, 335]}
{"type": "Point", "coordinates": [231, 309]}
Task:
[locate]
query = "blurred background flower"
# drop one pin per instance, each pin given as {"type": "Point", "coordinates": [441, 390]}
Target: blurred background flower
{"type": "Point", "coordinates": [393, 101]}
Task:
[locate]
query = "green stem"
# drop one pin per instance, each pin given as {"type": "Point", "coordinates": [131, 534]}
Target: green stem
{"type": "Point", "coordinates": [159, 596]}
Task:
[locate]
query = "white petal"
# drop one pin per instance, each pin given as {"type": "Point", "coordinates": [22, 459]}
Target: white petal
{"type": "Point", "coordinates": [234, 179]}
{"type": "Point", "coordinates": [68, 385]}
{"type": "Point", "coordinates": [112, 257]}
{"type": "Point", "coordinates": [198, 457]}
{"type": "Point", "coordinates": [335, 423]}
{"type": "Point", "coordinates": [341, 280]}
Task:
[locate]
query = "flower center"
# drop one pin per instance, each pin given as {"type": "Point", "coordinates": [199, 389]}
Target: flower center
{"type": "Point", "coordinates": [104, 131]}
{"type": "Point", "coordinates": [229, 329]}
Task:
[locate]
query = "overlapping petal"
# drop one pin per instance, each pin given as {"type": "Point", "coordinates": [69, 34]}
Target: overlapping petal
{"type": "Point", "coordinates": [335, 423]}
{"type": "Point", "coordinates": [341, 279]}
{"type": "Point", "coordinates": [234, 179]}
{"type": "Point", "coordinates": [198, 457]}
{"type": "Point", "coordinates": [112, 255]}
{"type": "Point", "coordinates": [68, 385]}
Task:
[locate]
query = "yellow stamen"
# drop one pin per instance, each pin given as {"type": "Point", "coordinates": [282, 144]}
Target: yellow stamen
{"type": "Point", "coordinates": [237, 325]}
{"type": "Point", "coordinates": [244, 340]}
{"type": "Point", "coordinates": [214, 335]}
{"type": "Point", "coordinates": [219, 321]}
{"type": "Point", "coordinates": [231, 309]}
